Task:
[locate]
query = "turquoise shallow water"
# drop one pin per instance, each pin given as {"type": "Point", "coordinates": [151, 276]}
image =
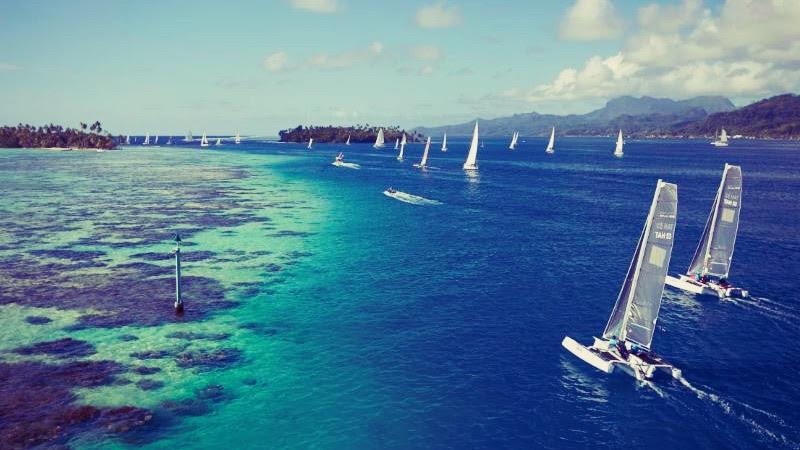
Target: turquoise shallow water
{"type": "Point", "coordinates": [326, 315]}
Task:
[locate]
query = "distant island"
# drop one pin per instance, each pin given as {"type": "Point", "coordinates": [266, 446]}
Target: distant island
{"type": "Point", "coordinates": [647, 117]}
{"type": "Point", "coordinates": [57, 137]}
{"type": "Point", "coordinates": [361, 134]}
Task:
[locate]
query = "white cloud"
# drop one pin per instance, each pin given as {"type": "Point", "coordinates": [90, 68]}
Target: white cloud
{"type": "Point", "coordinates": [438, 15]}
{"type": "Point", "coordinates": [317, 6]}
{"type": "Point", "coordinates": [426, 53]}
{"type": "Point", "coordinates": [347, 59]}
{"type": "Point", "coordinates": [276, 62]}
{"type": "Point", "coordinates": [590, 20]}
{"type": "Point", "coordinates": [750, 49]}
{"type": "Point", "coordinates": [426, 70]}
{"type": "Point", "coordinates": [6, 67]}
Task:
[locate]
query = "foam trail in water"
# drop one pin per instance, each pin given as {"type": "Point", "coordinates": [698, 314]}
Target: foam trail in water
{"type": "Point", "coordinates": [769, 308]}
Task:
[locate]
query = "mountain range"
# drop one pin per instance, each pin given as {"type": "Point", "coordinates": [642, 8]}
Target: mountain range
{"type": "Point", "coordinates": [776, 117]}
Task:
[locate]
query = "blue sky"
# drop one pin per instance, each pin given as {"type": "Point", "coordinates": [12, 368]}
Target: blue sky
{"type": "Point", "coordinates": [259, 66]}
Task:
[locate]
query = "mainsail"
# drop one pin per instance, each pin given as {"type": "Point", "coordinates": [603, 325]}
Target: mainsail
{"type": "Point", "coordinates": [146, 139]}
{"type": "Point", "coordinates": [723, 136]}
{"type": "Point", "coordinates": [204, 140]}
{"type": "Point", "coordinates": [310, 143]}
{"type": "Point", "coordinates": [514, 138]}
{"type": "Point", "coordinates": [715, 250]}
{"type": "Point", "coordinates": [620, 143]}
{"type": "Point", "coordinates": [550, 148]}
{"type": "Point", "coordinates": [444, 143]}
{"type": "Point", "coordinates": [219, 141]}
{"type": "Point", "coordinates": [472, 156]}
{"type": "Point", "coordinates": [396, 143]}
{"type": "Point", "coordinates": [189, 137]}
{"type": "Point", "coordinates": [237, 139]}
{"type": "Point", "coordinates": [424, 161]}
{"type": "Point", "coordinates": [155, 141]}
{"type": "Point", "coordinates": [379, 140]}
{"type": "Point", "coordinates": [636, 310]}
{"type": "Point", "coordinates": [128, 140]}
{"type": "Point", "coordinates": [348, 140]}
{"type": "Point", "coordinates": [402, 148]}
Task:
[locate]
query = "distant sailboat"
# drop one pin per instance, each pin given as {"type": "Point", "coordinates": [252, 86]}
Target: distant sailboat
{"type": "Point", "coordinates": [204, 140]}
{"type": "Point", "coordinates": [472, 156]}
{"type": "Point", "coordinates": [402, 148]}
{"type": "Point", "coordinates": [397, 143]}
{"type": "Point", "coordinates": [618, 150]}
{"type": "Point", "coordinates": [711, 264]}
{"type": "Point", "coordinates": [146, 139]}
{"type": "Point", "coordinates": [310, 143]}
{"type": "Point", "coordinates": [169, 140]}
{"type": "Point", "coordinates": [444, 143]}
{"type": "Point", "coordinates": [513, 143]}
{"type": "Point", "coordinates": [348, 140]}
{"type": "Point", "coordinates": [155, 141]}
{"type": "Point", "coordinates": [424, 163]}
{"type": "Point", "coordinates": [189, 137]}
{"type": "Point", "coordinates": [628, 336]}
{"type": "Point", "coordinates": [551, 145]}
{"type": "Point", "coordinates": [128, 140]}
{"type": "Point", "coordinates": [237, 139]}
{"type": "Point", "coordinates": [721, 140]}
{"type": "Point", "coordinates": [379, 140]}
{"type": "Point", "coordinates": [219, 141]}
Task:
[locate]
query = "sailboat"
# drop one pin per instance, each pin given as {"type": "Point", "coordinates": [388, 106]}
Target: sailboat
{"type": "Point", "coordinates": [444, 143]}
{"type": "Point", "coordinates": [628, 336]}
{"type": "Point", "coordinates": [146, 139]}
{"type": "Point", "coordinates": [155, 141]}
{"type": "Point", "coordinates": [128, 140]}
{"type": "Point", "coordinates": [379, 140]}
{"type": "Point", "coordinates": [711, 263]}
{"type": "Point", "coordinates": [424, 163]}
{"type": "Point", "coordinates": [310, 143]}
{"type": "Point", "coordinates": [188, 137]}
{"type": "Point", "coordinates": [618, 150]}
{"type": "Point", "coordinates": [721, 139]}
{"type": "Point", "coordinates": [402, 148]}
{"type": "Point", "coordinates": [237, 139]}
{"type": "Point", "coordinates": [550, 145]}
{"type": "Point", "coordinates": [396, 143]}
{"type": "Point", "coordinates": [204, 140]}
{"type": "Point", "coordinates": [514, 138]}
{"type": "Point", "coordinates": [348, 140]}
{"type": "Point", "coordinates": [339, 162]}
{"type": "Point", "coordinates": [472, 156]}
{"type": "Point", "coordinates": [169, 140]}
{"type": "Point", "coordinates": [219, 141]}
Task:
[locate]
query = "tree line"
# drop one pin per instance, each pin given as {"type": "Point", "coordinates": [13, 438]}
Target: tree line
{"type": "Point", "coordinates": [56, 136]}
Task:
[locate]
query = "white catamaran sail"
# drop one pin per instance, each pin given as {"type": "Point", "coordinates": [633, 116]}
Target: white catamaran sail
{"type": "Point", "coordinates": [721, 140]}
{"type": "Point", "coordinates": [444, 143]}
{"type": "Point", "coordinates": [204, 140]}
{"type": "Point", "coordinates": [348, 140]}
{"type": "Point", "coordinates": [618, 149]}
{"type": "Point", "coordinates": [628, 335]}
{"type": "Point", "coordinates": [379, 140]}
{"type": "Point", "coordinates": [513, 143]}
{"type": "Point", "coordinates": [551, 145]}
{"type": "Point", "coordinates": [146, 139]}
{"type": "Point", "coordinates": [237, 139]}
{"type": "Point", "coordinates": [402, 148]}
{"type": "Point", "coordinates": [472, 156]}
{"type": "Point", "coordinates": [396, 143]}
{"type": "Point", "coordinates": [424, 163]}
{"type": "Point", "coordinates": [310, 143]}
{"type": "Point", "coordinates": [710, 266]}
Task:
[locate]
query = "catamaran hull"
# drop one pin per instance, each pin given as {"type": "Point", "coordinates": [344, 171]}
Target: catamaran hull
{"type": "Point", "coordinates": [587, 355]}
{"type": "Point", "coordinates": [719, 144]}
{"type": "Point", "coordinates": [607, 362]}
{"type": "Point", "coordinates": [686, 283]}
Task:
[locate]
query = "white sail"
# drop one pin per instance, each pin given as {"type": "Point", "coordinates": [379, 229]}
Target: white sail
{"type": "Point", "coordinates": [379, 140]}
{"type": "Point", "coordinates": [402, 148]}
{"type": "Point", "coordinates": [155, 141]}
{"type": "Point", "coordinates": [128, 140]}
{"type": "Point", "coordinates": [714, 253]}
{"type": "Point", "coordinates": [444, 143]}
{"type": "Point", "coordinates": [348, 140]}
{"type": "Point", "coordinates": [472, 156]}
{"type": "Point", "coordinates": [189, 137]}
{"type": "Point", "coordinates": [310, 143]}
{"type": "Point", "coordinates": [146, 139]}
{"type": "Point", "coordinates": [219, 141]}
{"type": "Point", "coordinates": [424, 162]}
{"type": "Point", "coordinates": [513, 143]}
{"type": "Point", "coordinates": [551, 145]}
{"type": "Point", "coordinates": [396, 143]}
{"type": "Point", "coordinates": [204, 140]}
{"type": "Point", "coordinates": [237, 139]}
{"type": "Point", "coordinates": [636, 311]}
{"type": "Point", "coordinates": [723, 136]}
{"type": "Point", "coordinates": [169, 140]}
{"type": "Point", "coordinates": [620, 143]}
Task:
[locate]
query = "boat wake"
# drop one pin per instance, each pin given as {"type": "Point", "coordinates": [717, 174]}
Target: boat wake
{"type": "Point", "coordinates": [729, 408]}
{"type": "Point", "coordinates": [346, 165]}
{"type": "Point", "coordinates": [410, 198]}
{"type": "Point", "coordinates": [769, 308]}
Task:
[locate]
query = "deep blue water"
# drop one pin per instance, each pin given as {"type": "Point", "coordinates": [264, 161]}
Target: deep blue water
{"type": "Point", "coordinates": [457, 311]}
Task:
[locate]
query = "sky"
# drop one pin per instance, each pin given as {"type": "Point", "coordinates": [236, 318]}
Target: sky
{"type": "Point", "coordinates": [257, 67]}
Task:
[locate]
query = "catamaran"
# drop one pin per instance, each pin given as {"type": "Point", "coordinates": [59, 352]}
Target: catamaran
{"type": "Point", "coordinates": [444, 143]}
{"type": "Point", "coordinates": [721, 140]}
{"type": "Point", "coordinates": [189, 137]}
{"type": "Point", "coordinates": [628, 336]}
{"type": "Point", "coordinates": [310, 143]}
{"type": "Point", "coordinates": [618, 150]}
{"type": "Point", "coordinates": [424, 163]}
{"type": "Point", "coordinates": [146, 139]}
{"type": "Point", "coordinates": [204, 140]}
{"type": "Point", "coordinates": [348, 140]}
{"type": "Point", "coordinates": [339, 162]}
{"type": "Point", "coordinates": [402, 148]}
{"type": "Point", "coordinates": [711, 263]}
{"type": "Point", "coordinates": [550, 145]}
{"type": "Point", "coordinates": [237, 139]}
{"type": "Point", "coordinates": [513, 143]}
{"type": "Point", "coordinates": [472, 156]}
{"type": "Point", "coordinates": [219, 141]}
{"type": "Point", "coordinates": [379, 140]}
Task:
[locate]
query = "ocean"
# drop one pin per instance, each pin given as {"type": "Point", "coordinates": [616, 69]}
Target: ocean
{"type": "Point", "coordinates": [321, 313]}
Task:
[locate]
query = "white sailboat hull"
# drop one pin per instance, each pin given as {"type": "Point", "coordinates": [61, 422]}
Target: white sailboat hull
{"type": "Point", "coordinates": [602, 357]}
{"type": "Point", "coordinates": [688, 284]}
{"type": "Point", "coordinates": [719, 144]}
{"type": "Point", "coordinates": [549, 151]}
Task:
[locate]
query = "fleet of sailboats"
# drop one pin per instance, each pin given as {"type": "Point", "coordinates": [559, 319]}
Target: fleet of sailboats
{"type": "Point", "coordinates": [721, 140]}
{"type": "Point", "coordinates": [710, 266]}
{"type": "Point", "coordinates": [618, 149]}
{"type": "Point", "coordinates": [379, 140]}
{"type": "Point", "coordinates": [513, 143]}
{"type": "Point", "coordinates": [551, 144]}
{"type": "Point", "coordinates": [472, 155]}
{"type": "Point", "coordinates": [627, 339]}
